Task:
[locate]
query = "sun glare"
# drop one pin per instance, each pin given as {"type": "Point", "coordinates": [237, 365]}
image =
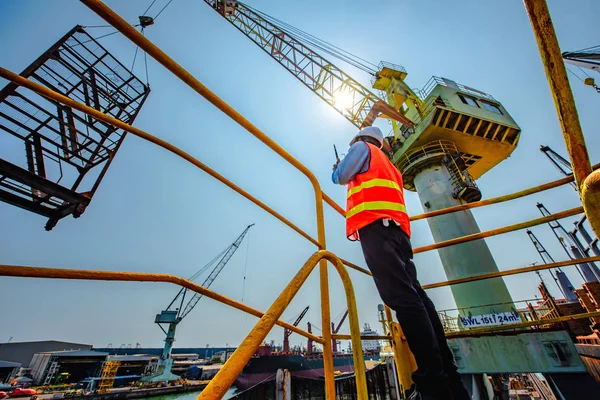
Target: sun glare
{"type": "Point", "coordinates": [343, 99]}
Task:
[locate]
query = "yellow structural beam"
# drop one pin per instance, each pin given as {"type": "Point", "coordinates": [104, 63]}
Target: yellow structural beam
{"type": "Point", "coordinates": [499, 199]}
{"type": "Point", "coordinates": [498, 231]}
{"type": "Point", "coordinates": [44, 91]}
{"type": "Point", "coordinates": [587, 181]}
{"type": "Point", "coordinates": [92, 275]}
{"type": "Point", "coordinates": [514, 271]}
{"type": "Point", "coordinates": [476, 204]}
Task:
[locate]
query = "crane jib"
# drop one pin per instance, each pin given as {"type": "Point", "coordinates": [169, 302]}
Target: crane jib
{"type": "Point", "coordinates": [338, 89]}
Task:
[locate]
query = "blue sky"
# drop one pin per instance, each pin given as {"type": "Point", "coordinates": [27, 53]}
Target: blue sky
{"type": "Point", "coordinates": [156, 213]}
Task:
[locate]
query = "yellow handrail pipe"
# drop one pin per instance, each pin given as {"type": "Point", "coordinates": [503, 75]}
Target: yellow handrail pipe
{"type": "Point", "coordinates": [513, 271]}
{"type": "Point", "coordinates": [499, 199]}
{"type": "Point", "coordinates": [21, 271]}
{"type": "Point", "coordinates": [44, 91]}
{"type": "Point", "coordinates": [498, 231]}
{"type": "Point", "coordinates": [226, 376]}
{"type": "Point", "coordinates": [526, 324]}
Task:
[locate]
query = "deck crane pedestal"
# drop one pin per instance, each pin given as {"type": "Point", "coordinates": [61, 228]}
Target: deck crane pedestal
{"type": "Point", "coordinates": [287, 332]}
{"type": "Point", "coordinates": [172, 318]}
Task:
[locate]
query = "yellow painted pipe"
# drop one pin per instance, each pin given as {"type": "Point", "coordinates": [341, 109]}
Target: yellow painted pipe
{"type": "Point", "coordinates": [499, 199]}
{"type": "Point", "coordinates": [219, 385]}
{"type": "Point", "coordinates": [514, 271]}
{"type": "Point", "coordinates": [544, 33]}
{"type": "Point", "coordinates": [155, 52]}
{"type": "Point", "coordinates": [44, 91]}
{"type": "Point", "coordinates": [493, 232]}
{"type": "Point", "coordinates": [356, 267]}
{"type": "Point", "coordinates": [334, 205]}
{"type": "Point", "coordinates": [494, 200]}
{"type": "Point", "coordinates": [82, 274]}
{"type": "Point", "coordinates": [344, 336]}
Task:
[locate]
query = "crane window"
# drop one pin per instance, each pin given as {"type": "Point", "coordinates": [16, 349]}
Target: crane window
{"type": "Point", "coordinates": [491, 107]}
{"type": "Point", "coordinates": [468, 100]}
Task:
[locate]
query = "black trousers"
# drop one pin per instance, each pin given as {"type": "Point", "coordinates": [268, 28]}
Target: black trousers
{"type": "Point", "coordinates": [388, 254]}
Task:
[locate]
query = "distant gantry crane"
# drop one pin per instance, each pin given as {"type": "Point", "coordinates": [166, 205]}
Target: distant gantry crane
{"type": "Point", "coordinates": [173, 317]}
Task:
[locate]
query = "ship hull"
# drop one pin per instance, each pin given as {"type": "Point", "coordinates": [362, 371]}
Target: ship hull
{"type": "Point", "coordinates": [264, 368]}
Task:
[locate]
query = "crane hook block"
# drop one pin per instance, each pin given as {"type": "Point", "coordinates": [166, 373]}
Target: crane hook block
{"type": "Point", "coordinates": [146, 21]}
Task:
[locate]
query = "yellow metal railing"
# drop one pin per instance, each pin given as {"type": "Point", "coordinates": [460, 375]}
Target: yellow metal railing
{"type": "Point", "coordinates": [527, 310]}
{"type": "Point", "coordinates": [587, 181]}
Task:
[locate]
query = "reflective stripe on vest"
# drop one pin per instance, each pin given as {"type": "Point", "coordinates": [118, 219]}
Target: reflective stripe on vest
{"type": "Point", "coordinates": [373, 183]}
{"type": "Point", "coordinates": [374, 206]}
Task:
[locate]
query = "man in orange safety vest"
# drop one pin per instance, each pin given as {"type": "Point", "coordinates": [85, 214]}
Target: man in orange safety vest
{"type": "Point", "coordinates": [376, 215]}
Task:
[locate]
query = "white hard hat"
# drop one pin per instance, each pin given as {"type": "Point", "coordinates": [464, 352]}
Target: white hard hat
{"type": "Point", "coordinates": [370, 131]}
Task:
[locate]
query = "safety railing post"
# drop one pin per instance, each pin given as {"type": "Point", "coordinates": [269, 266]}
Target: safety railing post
{"type": "Point", "coordinates": [403, 357]}
{"type": "Point", "coordinates": [229, 372]}
{"type": "Point", "coordinates": [587, 181]}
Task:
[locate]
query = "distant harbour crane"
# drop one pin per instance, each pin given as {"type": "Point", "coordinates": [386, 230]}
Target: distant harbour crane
{"type": "Point", "coordinates": [173, 317]}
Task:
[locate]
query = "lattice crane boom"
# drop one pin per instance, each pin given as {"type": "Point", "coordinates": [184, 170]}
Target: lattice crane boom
{"type": "Point", "coordinates": [287, 332]}
{"type": "Point", "coordinates": [171, 318]}
{"type": "Point", "coordinates": [563, 165]}
{"type": "Point", "coordinates": [322, 77]}
{"type": "Point", "coordinates": [297, 321]}
{"type": "Point", "coordinates": [336, 329]}
{"type": "Point", "coordinates": [215, 272]}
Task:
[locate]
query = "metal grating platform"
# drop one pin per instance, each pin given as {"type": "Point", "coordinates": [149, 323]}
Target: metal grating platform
{"type": "Point", "coordinates": [52, 158]}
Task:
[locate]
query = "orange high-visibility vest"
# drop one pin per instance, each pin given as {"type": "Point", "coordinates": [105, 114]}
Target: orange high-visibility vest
{"type": "Point", "coordinates": [376, 194]}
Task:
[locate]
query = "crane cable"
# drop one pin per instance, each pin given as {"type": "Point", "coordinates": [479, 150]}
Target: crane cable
{"type": "Point", "coordinates": [588, 50]}
{"type": "Point", "coordinates": [305, 37]}
{"type": "Point", "coordinates": [142, 32]}
{"type": "Point", "coordinates": [320, 44]}
{"type": "Point", "coordinates": [245, 269]}
{"type": "Point", "coordinates": [192, 278]}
